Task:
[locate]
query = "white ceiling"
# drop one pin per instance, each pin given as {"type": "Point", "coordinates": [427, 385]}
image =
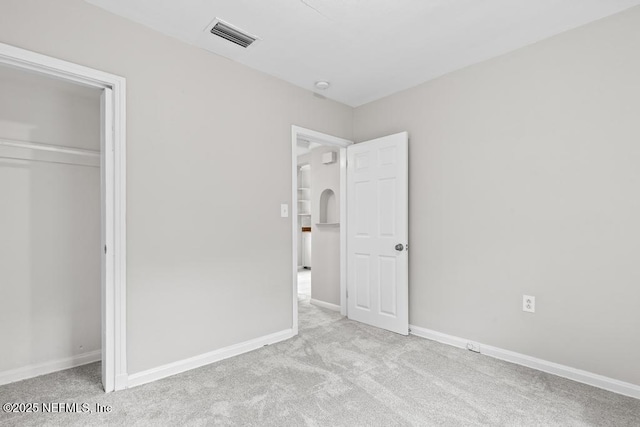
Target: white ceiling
{"type": "Point", "coordinates": [367, 49]}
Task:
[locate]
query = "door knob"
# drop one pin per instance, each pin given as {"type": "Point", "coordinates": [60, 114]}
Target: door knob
{"type": "Point", "coordinates": [399, 247]}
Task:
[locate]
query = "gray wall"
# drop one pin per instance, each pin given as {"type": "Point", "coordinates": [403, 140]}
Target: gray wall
{"type": "Point", "coordinates": [49, 224]}
{"type": "Point", "coordinates": [325, 242]}
{"type": "Point", "coordinates": [524, 178]}
{"type": "Point", "coordinates": [209, 258]}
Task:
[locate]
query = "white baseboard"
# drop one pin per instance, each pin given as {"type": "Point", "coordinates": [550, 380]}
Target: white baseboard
{"type": "Point", "coordinates": [574, 374]}
{"type": "Point", "coordinates": [174, 368]}
{"type": "Point", "coordinates": [326, 305]}
{"type": "Point", "coordinates": [36, 370]}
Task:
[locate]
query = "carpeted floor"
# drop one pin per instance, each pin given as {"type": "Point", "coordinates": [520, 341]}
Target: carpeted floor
{"type": "Point", "coordinates": [335, 373]}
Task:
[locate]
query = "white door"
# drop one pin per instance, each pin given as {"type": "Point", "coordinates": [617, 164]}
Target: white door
{"type": "Point", "coordinates": [377, 233]}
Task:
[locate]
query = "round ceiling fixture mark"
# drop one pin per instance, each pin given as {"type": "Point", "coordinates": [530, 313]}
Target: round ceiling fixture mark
{"type": "Point", "coordinates": [322, 85]}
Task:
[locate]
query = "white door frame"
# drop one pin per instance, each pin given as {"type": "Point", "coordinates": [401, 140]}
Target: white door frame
{"type": "Point", "coordinates": [298, 132]}
{"type": "Point", "coordinates": [113, 192]}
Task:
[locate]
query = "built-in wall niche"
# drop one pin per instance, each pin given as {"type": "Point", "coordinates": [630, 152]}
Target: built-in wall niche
{"type": "Point", "coordinates": [329, 215]}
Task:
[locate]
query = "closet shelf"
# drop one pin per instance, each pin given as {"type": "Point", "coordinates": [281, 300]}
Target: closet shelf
{"type": "Point", "coordinates": [328, 224]}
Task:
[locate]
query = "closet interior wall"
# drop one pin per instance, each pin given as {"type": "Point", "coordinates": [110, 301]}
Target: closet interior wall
{"type": "Point", "coordinates": [49, 221]}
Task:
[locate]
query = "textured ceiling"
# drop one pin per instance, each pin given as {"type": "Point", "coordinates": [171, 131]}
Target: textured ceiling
{"type": "Point", "coordinates": [367, 49]}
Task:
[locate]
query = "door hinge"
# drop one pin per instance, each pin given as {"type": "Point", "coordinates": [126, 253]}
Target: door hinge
{"type": "Point", "coordinates": [105, 249]}
{"type": "Point", "coordinates": [347, 294]}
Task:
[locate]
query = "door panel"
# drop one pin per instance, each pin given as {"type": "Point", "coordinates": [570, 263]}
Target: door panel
{"type": "Point", "coordinates": [377, 220]}
{"type": "Point", "coordinates": [362, 279]}
{"type": "Point", "coordinates": [388, 301]}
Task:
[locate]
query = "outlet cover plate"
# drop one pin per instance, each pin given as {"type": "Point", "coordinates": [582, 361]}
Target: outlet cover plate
{"type": "Point", "coordinates": [528, 303]}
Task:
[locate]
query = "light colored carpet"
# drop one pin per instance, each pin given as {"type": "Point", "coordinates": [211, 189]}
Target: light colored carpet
{"type": "Point", "coordinates": [335, 373]}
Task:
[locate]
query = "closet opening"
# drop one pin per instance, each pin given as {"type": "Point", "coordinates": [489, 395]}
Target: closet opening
{"type": "Point", "coordinates": [62, 186]}
{"type": "Point", "coordinates": [50, 257]}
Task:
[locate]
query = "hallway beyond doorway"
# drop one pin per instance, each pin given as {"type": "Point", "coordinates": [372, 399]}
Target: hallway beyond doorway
{"type": "Point", "coordinates": [304, 284]}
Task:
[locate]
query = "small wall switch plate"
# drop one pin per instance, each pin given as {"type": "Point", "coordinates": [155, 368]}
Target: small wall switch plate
{"type": "Point", "coordinates": [329, 157]}
{"type": "Point", "coordinates": [284, 210]}
{"type": "Point", "coordinates": [528, 303]}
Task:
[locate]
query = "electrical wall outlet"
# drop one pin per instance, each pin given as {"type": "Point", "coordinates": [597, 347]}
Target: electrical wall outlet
{"type": "Point", "coordinates": [284, 210]}
{"type": "Point", "coordinates": [528, 303]}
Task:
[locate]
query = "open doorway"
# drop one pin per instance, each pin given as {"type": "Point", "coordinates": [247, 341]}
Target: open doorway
{"type": "Point", "coordinates": [84, 252]}
{"type": "Point", "coordinates": [305, 246]}
{"type": "Point", "coordinates": [362, 215]}
{"type": "Point", "coordinates": [319, 241]}
{"type": "Point", "coordinates": [50, 258]}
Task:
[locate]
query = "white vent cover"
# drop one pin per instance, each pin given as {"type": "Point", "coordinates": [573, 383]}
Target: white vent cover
{"type": "Point", "coordinates": [233, 34]}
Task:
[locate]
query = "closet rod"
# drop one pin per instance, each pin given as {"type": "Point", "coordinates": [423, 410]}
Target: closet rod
{"type": "Point", "coordinates": [47, 147]}
{"type": "Point", "coordinates": [37, 152]}
{"type": "Point", "coordinates": [59, 162]}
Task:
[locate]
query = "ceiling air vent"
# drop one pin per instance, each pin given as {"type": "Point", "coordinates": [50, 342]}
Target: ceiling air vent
{"type": "Point", "coordinates": [234, 35]}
